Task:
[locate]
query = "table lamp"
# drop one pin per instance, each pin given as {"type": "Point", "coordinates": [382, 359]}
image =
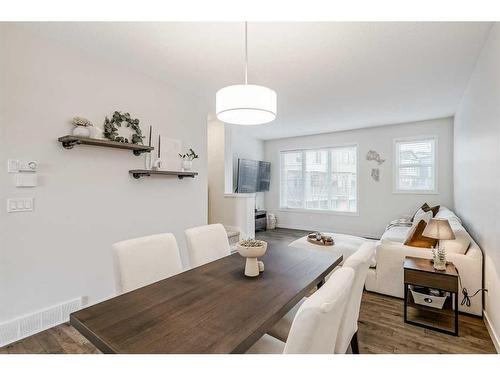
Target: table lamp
{"type": "Point", "coordinates": [439, 229]}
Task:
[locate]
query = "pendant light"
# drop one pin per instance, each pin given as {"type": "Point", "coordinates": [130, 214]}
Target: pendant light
{"type": "Point", "coordinates": [246, 104]}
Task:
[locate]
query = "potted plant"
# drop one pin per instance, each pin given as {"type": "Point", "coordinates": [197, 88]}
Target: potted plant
{"type": "Point", "coordinates": [82, 127]}
{"type": "Point", "coordinates": [251, 249]}
{"type": "Point", "coordinates": [187, 159]}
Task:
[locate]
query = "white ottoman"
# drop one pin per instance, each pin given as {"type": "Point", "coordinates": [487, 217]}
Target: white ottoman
{"type": "Point", "coordinates": [344, 244]}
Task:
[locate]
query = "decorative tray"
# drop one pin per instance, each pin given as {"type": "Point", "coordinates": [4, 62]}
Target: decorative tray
{"type": "Point", "coordinates": [324, 241]}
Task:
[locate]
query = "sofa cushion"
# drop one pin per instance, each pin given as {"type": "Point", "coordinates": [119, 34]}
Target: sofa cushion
{"type": "Point", "coordinates": [395, 234]}
{"type": "Point", "coordinates": [461, 242]}
{"type": "Point", "coordinates": [446, 213]}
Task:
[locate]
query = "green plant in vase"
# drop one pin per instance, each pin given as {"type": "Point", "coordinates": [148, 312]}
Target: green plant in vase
{"type": "Point", "coordinates": [187, 159]}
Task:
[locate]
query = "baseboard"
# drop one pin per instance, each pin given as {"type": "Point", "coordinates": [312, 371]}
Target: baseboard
{"type": "Point", "coordinates": [365, 235]}
{"type": "Point", "coordinates": [27, 325]}
{"type": "Point", "coordinates": [491, 331]}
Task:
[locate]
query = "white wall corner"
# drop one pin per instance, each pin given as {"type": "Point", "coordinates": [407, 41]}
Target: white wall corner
{"type": "Point", "coordinates": [493, 334]}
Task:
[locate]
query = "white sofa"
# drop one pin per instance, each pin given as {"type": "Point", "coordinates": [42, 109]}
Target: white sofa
{"type": "Point", "coordinates": [386, 273]}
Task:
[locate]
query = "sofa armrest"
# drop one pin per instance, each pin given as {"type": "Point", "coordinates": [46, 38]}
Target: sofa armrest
{"type": "Point", "coordinates": [390, 259]}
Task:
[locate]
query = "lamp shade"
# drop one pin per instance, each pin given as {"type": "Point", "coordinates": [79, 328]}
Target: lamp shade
{"type": "Point", "coordinates": [246, 104]}
{"type": "Point", "coordinates": [439, 229]}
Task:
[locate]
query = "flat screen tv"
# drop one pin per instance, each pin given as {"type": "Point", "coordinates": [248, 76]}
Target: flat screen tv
{"type": "Point", "coordinates": [253, 176]}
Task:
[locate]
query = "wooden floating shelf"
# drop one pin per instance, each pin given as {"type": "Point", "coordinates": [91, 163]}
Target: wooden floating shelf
{"type": "Point", "coordinates": [69, 141]}
{"type": "Point", "coordinates": [138, 173]}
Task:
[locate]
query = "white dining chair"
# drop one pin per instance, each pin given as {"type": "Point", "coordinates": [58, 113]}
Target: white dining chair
{"type": "Point", "coordinates": [145, 260]}
{"type": "Point", "coordinates": [315, 326]}
{"type": "Point", "coordinates": [206, 244]}
{"type": "Point", "coordinates": [360, 263]}
{"type": "Point", "coordinates": [348, 331]}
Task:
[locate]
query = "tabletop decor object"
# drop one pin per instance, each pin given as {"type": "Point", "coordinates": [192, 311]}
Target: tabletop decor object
{"type": "Point", "coordinates": [439, 229]}
{"type": "Point", "coordinates": [251, 250]}
{"type": "Point", "coordinates": [82, 127]}
{"type": "Point", "coordinates": [147, 158]}
{"type": "Point", "coordinates": [158, 163]}
{"type": "Point", "coordinates": [187, 159]}
{"type": "Point", "coordinates": [320, 239]}
{"type": "Point", "coordinates": [111, 128]}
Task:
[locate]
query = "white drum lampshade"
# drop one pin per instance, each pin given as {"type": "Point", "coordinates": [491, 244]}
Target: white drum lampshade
{"type": "Point", "coordinates": [246, 104]}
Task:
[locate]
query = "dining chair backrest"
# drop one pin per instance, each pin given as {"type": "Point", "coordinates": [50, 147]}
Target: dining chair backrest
{"type": "Point", "coordinates": [145, 260]}
{"type": "Point", "coordinates": [206, 244]}
{"type": "Point", "coordinates": [360, 263]}
{"type": "Point", "coordinates": [315, 326]}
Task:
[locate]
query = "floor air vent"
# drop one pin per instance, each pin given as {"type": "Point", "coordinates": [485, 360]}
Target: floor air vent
{"type": "Point", "coordinates": [28, 325]}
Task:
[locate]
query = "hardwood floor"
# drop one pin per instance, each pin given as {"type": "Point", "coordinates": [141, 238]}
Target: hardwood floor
{"type": "Point", "coordinates": [381, 328]}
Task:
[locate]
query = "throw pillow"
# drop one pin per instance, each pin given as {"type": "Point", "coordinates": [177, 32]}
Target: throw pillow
{"type": "Point", "coordinates": [422, 215]}
{"type": "Point", "coordinates": [426, 208]}
{"type": "Point", "coordinates": [416, 239]}
{"type": "Point", "coordinates": [434, 210]}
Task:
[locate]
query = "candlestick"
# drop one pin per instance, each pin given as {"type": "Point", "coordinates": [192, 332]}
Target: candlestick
{"type": "Point", "coordinates": [150, 131]}
{"type": "Point", "coordinates": [159, 145]}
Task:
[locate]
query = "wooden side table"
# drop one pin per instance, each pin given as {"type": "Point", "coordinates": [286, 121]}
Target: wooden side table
{"type": "Point", "coordinates": [420, 272]}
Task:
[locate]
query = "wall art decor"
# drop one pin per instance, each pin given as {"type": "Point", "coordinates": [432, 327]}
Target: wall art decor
{"type": "Point", "coordinates": [169, 153]}
{"type": "Point", "coordinates": [117, 120]}
{"type": "Point", "coordinates": [374, 155]}
{"type": "Point", "coordinates": [376, 174]}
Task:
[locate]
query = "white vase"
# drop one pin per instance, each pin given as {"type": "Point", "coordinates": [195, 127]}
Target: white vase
{"type": "Point", "coordinates": [157, 164]}
{"type": "Point", "coordinates": [97, 132]}
{"type": "Point", "coordinates": [147, 160]}
{"type": "Point", "coordinates": [252, 266]}
{"type": "Point", "coordinates": [81, 131]}
{"type": "Point", "coordinates": [187, 165]}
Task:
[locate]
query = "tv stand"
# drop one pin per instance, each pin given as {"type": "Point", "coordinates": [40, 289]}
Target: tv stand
{"type": "Point", "coordinates": [260, 220]}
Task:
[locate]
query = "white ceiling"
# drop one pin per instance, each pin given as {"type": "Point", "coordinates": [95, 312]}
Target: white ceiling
{"type": "Point", "coordinates": [328, 76]}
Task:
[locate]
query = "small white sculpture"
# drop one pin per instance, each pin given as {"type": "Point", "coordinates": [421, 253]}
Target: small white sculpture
{"type": "Point", "coordinates": [251, 250]}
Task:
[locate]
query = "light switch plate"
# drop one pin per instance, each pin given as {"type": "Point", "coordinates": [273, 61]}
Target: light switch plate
{"type": "Point", "coordinates": [19, 204]}
{"type": "Point", "coordinates": [28, 179]}
{"type": "Point", "coordinates": [15, 166]}
{"type": "Point", "coordinates": [12, 165]}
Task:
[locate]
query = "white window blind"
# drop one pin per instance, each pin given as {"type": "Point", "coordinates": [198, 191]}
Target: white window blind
{"type": "Point", "coordinates": [415, 165]}
{"type": "Point", "coordinates": [319, 179]}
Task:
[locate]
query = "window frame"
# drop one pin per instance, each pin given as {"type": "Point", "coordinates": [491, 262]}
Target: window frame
{"type": "Point", "coordinates": [395, 173]}
{"type": "Point", "coordinates": [314, 210]}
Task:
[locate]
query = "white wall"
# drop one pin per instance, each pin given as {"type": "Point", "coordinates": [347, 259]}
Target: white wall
{"type": "Point", "coordinates": [477, 166]}
{"type": "Point", "coordinates": [224, 206]}
{"type": "Point", "coordinates": [86, 200]}
{"type": "Point", "coordinates": [377, 203]}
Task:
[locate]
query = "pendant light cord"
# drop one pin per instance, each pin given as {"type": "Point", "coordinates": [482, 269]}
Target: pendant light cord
{"type": "Point", "coordinates": [246, 53]}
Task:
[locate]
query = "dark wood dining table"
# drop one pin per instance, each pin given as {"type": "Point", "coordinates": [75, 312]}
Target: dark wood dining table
{"type": "Point", "coordinates": [213, 308]}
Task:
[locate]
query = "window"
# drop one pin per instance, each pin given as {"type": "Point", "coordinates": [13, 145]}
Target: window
{"type": "Point", "coordinates": [415, 165]}
{"type": "Point", "coordinates": [320, 179]}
